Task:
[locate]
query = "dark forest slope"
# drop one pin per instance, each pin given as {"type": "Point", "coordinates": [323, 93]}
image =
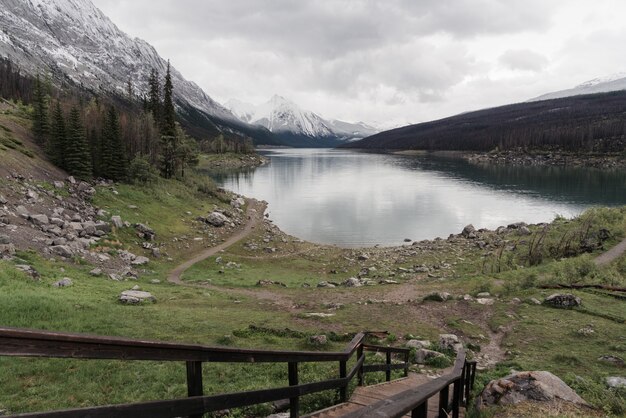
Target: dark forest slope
{"type": "Point", "coordinates": [581, 123]}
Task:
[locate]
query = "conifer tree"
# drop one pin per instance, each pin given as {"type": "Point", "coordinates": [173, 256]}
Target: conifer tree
{"type": "Point", "coordinates": [40, 112]}
{"type": "Point", "coordinates": [169, 137]}
{"type": "Point", "coordinates": [112, 150]}
{"type": "Point", "coordinates": [56, 146]}
{"type": "Point", "coordinates": [77, 156]}
{"type": "Point", "coordinates": [154, 96]}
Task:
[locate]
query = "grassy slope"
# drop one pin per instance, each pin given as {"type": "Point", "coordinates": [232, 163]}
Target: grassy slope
{"type": "Point", "coordinates": [539, 337]}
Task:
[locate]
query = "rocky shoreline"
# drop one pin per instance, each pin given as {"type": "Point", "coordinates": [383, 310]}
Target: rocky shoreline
{"type": "Point", "coordinates": [232, 162]}
{"type": "Point", "coordinates": [556, 158]}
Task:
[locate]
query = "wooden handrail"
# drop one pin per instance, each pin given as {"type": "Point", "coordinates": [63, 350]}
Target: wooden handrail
{"type": "Point", "coordinates": [36, 343]}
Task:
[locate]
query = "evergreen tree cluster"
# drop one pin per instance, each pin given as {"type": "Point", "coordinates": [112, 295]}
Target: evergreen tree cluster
{"type": "Point", "coordinates": [94, 137]}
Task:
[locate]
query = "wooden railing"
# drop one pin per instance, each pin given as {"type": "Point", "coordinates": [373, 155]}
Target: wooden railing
{"type": "Point", "coordinates": [415, 400]}
{"type": "Point", "coordinates": [34, 343]}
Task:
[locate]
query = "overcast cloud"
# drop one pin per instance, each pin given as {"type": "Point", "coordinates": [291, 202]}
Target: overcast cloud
{"type": "Point", "coordinates": [384, 62]}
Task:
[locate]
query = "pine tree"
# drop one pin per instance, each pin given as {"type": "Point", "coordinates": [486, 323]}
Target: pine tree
{"type": "Point", "coordinates": [57, 142]}
{"type": "Point", "coordinates": [40, 112]}
{"type": "Point", "coordinates": [169, 137]}
{"type": "Point", "coordinates": [77, 156]}
{"type": "Point", "coordinates": [154, 96]}
{"type": "Point", "coordinates": [186, 151]}
{"type": "Point", "coordinates": [111, 148]}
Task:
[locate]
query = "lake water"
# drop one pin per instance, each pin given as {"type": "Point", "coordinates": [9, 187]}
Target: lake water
{"type": "Point", "coordinates": [357, 199]}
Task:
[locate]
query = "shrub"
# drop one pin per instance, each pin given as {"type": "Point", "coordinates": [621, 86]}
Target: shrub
{"type": "Point", "coordinates": [141, 171]}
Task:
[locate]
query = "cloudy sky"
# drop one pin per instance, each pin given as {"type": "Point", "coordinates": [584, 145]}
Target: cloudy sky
{"type": "Point", "coordinates": [385, 62]}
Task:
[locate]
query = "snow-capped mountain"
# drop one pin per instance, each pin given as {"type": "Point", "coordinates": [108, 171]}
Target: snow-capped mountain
{"type": "Point", "coordinates": [280, 115]}
{"type": "Point", "coordinates": [613, 82]}
{"type": "Point", "coordinates": [73, 38]}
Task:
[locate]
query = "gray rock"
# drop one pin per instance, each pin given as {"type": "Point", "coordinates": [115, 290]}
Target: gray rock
{"type": "Point", "coordinates": [438, 296]}
{"type": "Point", "coordinates": [28, 270]}
{"type": "Point", "coordinates": [155, 281]}
{"type": "Point", "coordinates": [22, 211]}
{"type": "Point", "coordinates": [534, 301]}
{"type": "Point", "coordinates": [145, 232]}
{"type": "Point", "coordinates": [7, 250]}
{"type": "Point", "coordinates": [71, 180]}
{"type": "Point", "coordinates": [469, 231]}
{"type": "Point", "coordinates": [134, 297]}
{"type": "Point", "coordinates": [140, 261]}
{"type": "Point", "coordinates": [424, 354]}
{"type": "Point", "coordinates": [127, 256]}
{"type": "Point", "coordinates": [614, 360]}
{"type": "Point", "coordinates": [57, 221]}
{"type": "Point", "coordinates": [117, 221]}
{"type": "Point", "coordinates": [40, 220]}
{"type": "Point", "coordinates": [216, 219]}
{"type": "Point", "coordinates": [318, 340]}
{"type": "Point", "coordinates": [565, 300]}
{"type": "Point", "coordinates": [450, 342]}
{"type": "Point", "coordinates": [96, 272]}
{"type": "Point", "coordinates": [4, 239]}
{"type": "Point", "coordinates": [352, 282]}
{"type": "Point", "coordinates": [103, 226]}
{"type": "Point", "coordinates": [537, 386]}
{"type": "Point", "coordinates": [238, 203]}
{"type": "Point", "coordinates": [62, 250]}
{"type": "Point", "coordinates": [31, 194]}
{"type": "Point", "coordinates": [89, 228]}
{"type": "Point", "coordinates": [616, 382]}
{"type": "Point", "coordinates": [58, 184]}
{"type": "Point", "coordinates": [485, 301]}
{"type": "Point", "coordinates": [417, 344]}
{"type": "Point", "coordinates": [483, 295]}
{"type": "Point", "coordinates": [523, 230]}
{"type": "Point", "coordinates": [363, 257]}
{"type": "Point", "coordinates": [115, 277]}
{"type": "Point", "coordinates": [3, 200]}
{"type": "Point", "coordinates": [64, 282]}
{"type": "Point", "coordinates": [325, 284]}
{"type": "Point", "coordinates": [156, 252]}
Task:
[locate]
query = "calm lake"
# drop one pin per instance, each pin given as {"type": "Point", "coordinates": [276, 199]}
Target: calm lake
{"type": "Point", "coordinates": [357, 199]}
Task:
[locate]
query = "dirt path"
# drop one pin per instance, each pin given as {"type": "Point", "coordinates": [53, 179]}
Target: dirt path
{"type": "Point", "coordinates": [615, 252]}
{"type": "Point", "coordinates": [255, 217]}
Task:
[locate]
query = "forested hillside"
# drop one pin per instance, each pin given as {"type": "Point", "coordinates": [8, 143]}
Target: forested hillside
{"type": "Point", "coordinates": [591, 123]}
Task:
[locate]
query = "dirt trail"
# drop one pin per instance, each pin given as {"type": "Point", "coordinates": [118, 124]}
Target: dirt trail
{"type": "Point", "coordinates": [610, 255]}
{"type": "Point", "coordinates": [255, 217]}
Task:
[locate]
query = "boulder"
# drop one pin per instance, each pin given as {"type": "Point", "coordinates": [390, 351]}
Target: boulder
{"type": "Point", "coordinates": [140, 261]}
{"type": "Point", "coordinates": [58, 184]}
{"type": "Point", "coordinates": [483, 295]}
{"type": "Point", "coordinates": [62, 250]}
{"type": "Point", "coordinates": [565, 300]}
{"type": "Point", "coordinates": [438, 296]}
{"type": "Point", "coordinates": [145, 232]}
{"type": "Point", "coordinates": [616, 382]}
{"type": "Point", "coordinates": [485, 301]}
{"type": "Point", "coordinates": [318, 340]}
{"type": "Point", "coordinates": [103, 227]}
{"type": "Point", "coordinates": [64, 282]}
{"type": "Point", "coordinates": [352, 282]}
{"type": "Point", "coordinates": [417, 344]}
{"type": "Point", "coordinates": [423, 354]}
{"type": "Point", "coordinates": [523, 230]}
{"type": "Point", "coordinates": [238, 203]}
{"type": "Point", "coordinates": [216, 219]}
{"type": "Point", "coordinates": [22, 211]}
{"type": "Point", "coordinates": [325, 284]}
{"type": "Point", "coordinates": [39, 219]}
{"type": "Point", "coordinates": [134, 297]}
{"type": "Point", "coordinates": [4, 239]}
{"type": "Point", "coordinates": [450, 342]}
{"type": "Point", "coordinates": [117, 221]}
{"type": "Point", "coordinates": [71, 180]}
{"type": "Point", "coordinates": [89, 228]}
{"type": "Point", "coordinates": [538, 386]}
{"type": "Point", "coordinates": [469, 231]}
{"type": "Point", "coordinates": [3, 200]}
{"type": "Point", "coordinates": [96, 272]}
{"type": "Point", "coordinates": [613, 360]}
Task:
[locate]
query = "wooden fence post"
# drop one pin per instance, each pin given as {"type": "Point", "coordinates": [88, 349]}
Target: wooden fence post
{"type": "Point", "coordinates": [388, 371]}
{"type": "Point", "coordinates": [456, 397]}
{"type": "Point", "coordinates": [294, 403]}
{"type": "Point", "coordinates": [343, 390]}
{"type": "Point", "coordinates": [194, 381]}
{"type": "Point", "coordinates": [359, 354]}
{"type": "Point", "coordinates": [421, 411]}
{"type": "Point", "coordinates": [444, 398]}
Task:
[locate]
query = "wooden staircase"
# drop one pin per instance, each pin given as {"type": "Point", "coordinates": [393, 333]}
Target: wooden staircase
{"type": "Point", "coordinates": [365, 396]}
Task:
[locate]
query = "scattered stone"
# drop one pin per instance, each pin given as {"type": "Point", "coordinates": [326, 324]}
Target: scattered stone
{"type": "Point", "coordinates": [140, 261]}
{"type": "Point", "coordinates": [65, 282]}
{"type": "Point", "coordinates": [408, 240]}
{"type": "Point", "coordinates": [22, 211]}
{"type": "Point", "coordinates": [352, 282]}
{"type": "Point", "coordinates": [4, 239]}
{"type": "Point", "coordinates": [450, 342]}
{"type": "Point", "coordinates": [523, 230]}
{"type": "Point", "coordinates": [483, 295]}
{"type": "Point", "coordinates": [238, 203]}
{"type": "Point", "coordinates": [71, 180]}
{"type": "Point", "coordinates": [115, 277]}
{"type": "Point", "coordinates": [438, 296]}
{"type": "Point", "coordinates": [318, 340]}
{"type": "Point", "coordinates": [538, 386]}
{"type": "Point", "coordinates": [134, 297]}
{"type": "Point", "coordinates": [132, 207]}
{"type": "Point", "coordinates": [325, 284]}
{"type": "Point", "coordinates": [616, 382]}
{"type": "Point", "coordinates": [424, 354]}
{"type": "Point", "coordinates": [363, 257]}
{"type": "Point", "coordinates": [3, 200]}
{"type": "Point", "coordinates": [485, 301]}
{"type": "Point", "coordinates": [7, 250]}
{"type": "Point", "coordinates": [586, 331]}
{"type": "Point", "coordinates": [216, 219]}
{"type": "Point", "coordinates": [534, 301]}
{"type": "Point", "coordinates": [387, 281]}
{"type": "Point", "coordinates": [96, 272]}
{"type": "Point", "coordinates": [156, 252]}
{"type": "Point", "coordinates": [318, 315]}
{"type": "Point", "coordinates": [31, 194]}
{"type": "Point", "coordinates": [136, 287]}
{"type": "Point", "coordinates": [103, 226]}
{"type": "Point", "coordinates": [565, 300]}
{"type": "Point", "coordinates": [62, 251]}
{"type": "Point", "coordinates": [469, 231]}
{"type": "Point", "coordinates": [58, 184]}
{"type": "Point", "coordinates": [417, 344]}
{"type": "Point", "coordinates": [39, 220]}
{"type": "Point", "coordinates": [155, 281]}
{"type": "Point", "coordinates": [145, 232]}
{"type": "Point", "coordinates": [614, 360]}
{"type": "Point", "coordinates": [28, 270]}
{"type": "Point", "coordinates": [116, 220]}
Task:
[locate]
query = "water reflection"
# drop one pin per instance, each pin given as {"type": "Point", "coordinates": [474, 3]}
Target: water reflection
{"type": "Point", "coordinates": [357, 199]}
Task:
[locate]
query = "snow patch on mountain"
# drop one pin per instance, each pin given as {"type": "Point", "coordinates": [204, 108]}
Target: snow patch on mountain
{"type": "Point", "coordinates": [614, 82]}
{"type": "Point", "coordinates": [73, 38]}
{"type": "Point", "coordinates": [280, 115]}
